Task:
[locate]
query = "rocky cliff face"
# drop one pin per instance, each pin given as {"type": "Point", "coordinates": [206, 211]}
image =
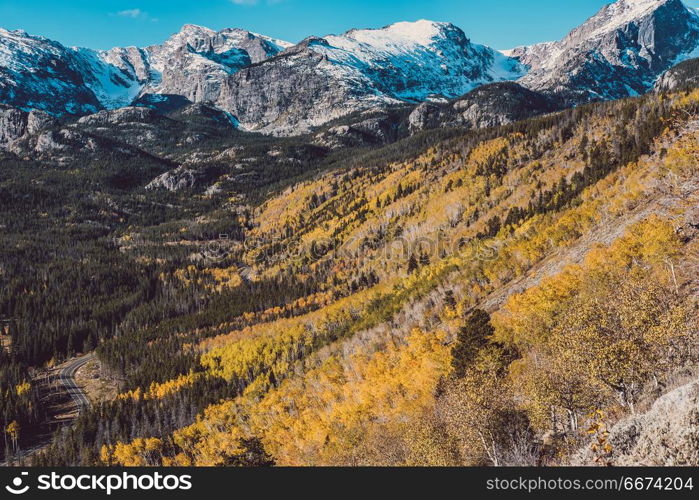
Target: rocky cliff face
{"type": "Point", "coordinates": [617, 53]}
{"type": "Point", "coordinates": [196, 62]}
{"type": "Point", "coordinates": [15, 124]}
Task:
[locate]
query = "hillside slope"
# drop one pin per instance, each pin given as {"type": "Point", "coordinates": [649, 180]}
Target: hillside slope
{"type": "Point", "coordinates": [345, 322]}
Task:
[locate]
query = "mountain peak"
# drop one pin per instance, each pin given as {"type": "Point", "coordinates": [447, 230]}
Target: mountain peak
{"type": "Point", "coordinates": [190, 33]}
{"type": "Point", "coordinates": [640, 4]}
{"type": "Point", "coordinates": [22, 34]}
{"type": "Point", "coordinates": [224, 40]}
{"type": "Point", "coordinates": [421, 32]}
{"type": "Point", "coordinates": [621, 13]}
{"type": "Point", "coordinates": [195, 28]}
{"type": "Point", "coordinates": [6, 32]}
{"type": "Point", "coordinates": [618, 52]}
{"type": "Point", "coordinates": [416, 29]}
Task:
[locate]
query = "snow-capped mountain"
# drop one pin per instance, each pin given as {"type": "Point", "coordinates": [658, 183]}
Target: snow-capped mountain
{"type": "Point", "coordinates": [284, 88]}
{"type": "Point", "coordinates": [619, 52]}
{"type": "Point", "coordinates": [194, 62]}
{"type": "Point", "coordinates": [271, 86]}
{"type": "Point", "coordinates": [415, 61]}
{"type": "Point", "coordinates": [324, 78]}
{"type": "Point", "coordinates": [37, 73]}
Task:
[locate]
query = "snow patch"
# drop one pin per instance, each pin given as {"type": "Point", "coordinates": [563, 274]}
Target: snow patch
{"type": "Point", "coordinates": [113, 87]}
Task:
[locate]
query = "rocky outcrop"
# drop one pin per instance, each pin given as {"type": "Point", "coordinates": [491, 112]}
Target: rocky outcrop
{"type": "Point", "coordinates": [429, 115]}
{"type": "Point", "coordinates": [666, 435]}
{"type": "Point", "coordinates": [15, 124]}
{"type": "Point", "coordinates": [372, 131]}
{"type": "Point", "coordinates": [617, 53]}
{"type": "Point", "coordinates": [174, 180]}
{"type": "Point", "coordinates": [685, 75]}
{"type": "Point", "coordinates": [119, 116]}
{"type": "Point", "coordinates": [204, 115]}
{"type": "Point", "coordinates": [500, 104]}
{"type": "Point", "coordinates": [80, 144]}
{"type": "Point", "coordinates": [487, 106]}
{"type": "Point", "coordinates": [177, 134]}
{"type": "Point", "coordinates": [39, 120]}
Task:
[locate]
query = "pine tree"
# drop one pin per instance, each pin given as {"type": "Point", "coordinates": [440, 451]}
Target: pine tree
{"type": "Point", "coordinates": [472, 337]}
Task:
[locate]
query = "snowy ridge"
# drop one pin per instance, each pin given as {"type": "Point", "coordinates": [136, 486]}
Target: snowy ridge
{"type": "Point", "coordinates": [225, 48]}
{"type": "Point", "coordinates": [415, 61]}
{"type": "Point", "coordinates": [403, 62]}
{"type": "Point", "coordinates": [113, 86]}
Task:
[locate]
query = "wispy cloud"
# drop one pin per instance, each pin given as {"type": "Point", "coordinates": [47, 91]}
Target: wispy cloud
{"type": "Point", "coordinates": [132, 13]}
{"type": "Point", "coordinates": [135, 14]}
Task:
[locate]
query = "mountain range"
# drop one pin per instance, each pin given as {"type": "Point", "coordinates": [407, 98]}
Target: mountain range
{"type": "Point", "coordinates": [275, 87]}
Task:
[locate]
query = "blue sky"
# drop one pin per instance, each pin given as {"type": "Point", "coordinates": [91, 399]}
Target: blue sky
{"type": "Point", "coordinates": [102, 24]}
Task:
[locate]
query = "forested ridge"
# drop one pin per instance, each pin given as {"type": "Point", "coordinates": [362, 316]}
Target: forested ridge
{"type": "Point", "coordinates": [348, 316]}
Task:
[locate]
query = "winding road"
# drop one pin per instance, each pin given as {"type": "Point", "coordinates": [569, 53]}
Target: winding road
{"type": "Point", "coordinates": [66, 374]}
